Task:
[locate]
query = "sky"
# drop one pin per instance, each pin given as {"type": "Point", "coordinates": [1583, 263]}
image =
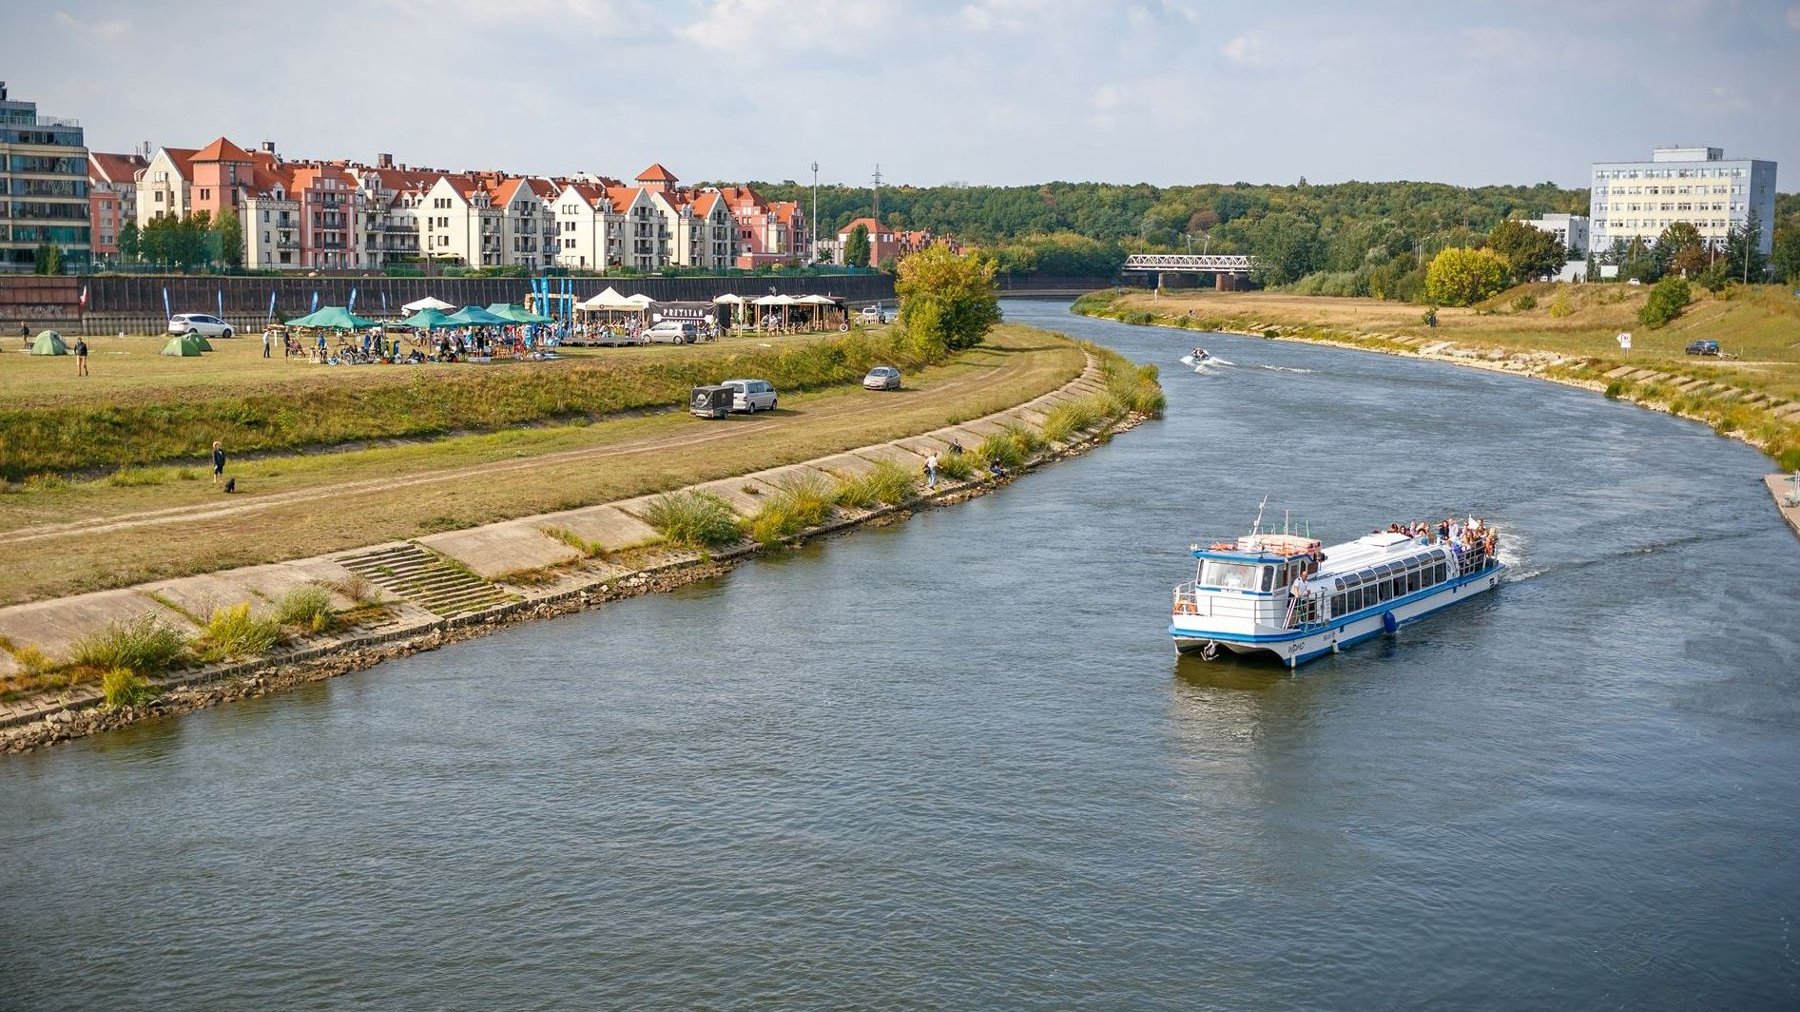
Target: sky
{"type": "Point", "coordinates": [977, 91]}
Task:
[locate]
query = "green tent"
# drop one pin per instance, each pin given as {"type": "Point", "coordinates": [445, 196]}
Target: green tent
{"type": "Point", "coordinates": [332, 318]}
{"type": "Point", "coordinates": [427, 319]}
{"type": "Point", "coordinates": [516, 314]}
{"type": "Point", "coordinates": [475, 316]}
{"type": "Point", "coordinates": [201, 342]}
{"type": "Point", "coordinates": [182, 346]}
{"type": "Point", "coordinates": [49, 342]}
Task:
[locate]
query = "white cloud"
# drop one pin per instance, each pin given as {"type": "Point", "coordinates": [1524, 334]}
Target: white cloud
{"type": "Point", "coordinates": [1793, 17]}
{"type": "Point", "coordinates": [109, 30]}
{"type": "Point", "coordinates": [748, 27]}
{"type": "Point", "coordinates": [1249, 50]}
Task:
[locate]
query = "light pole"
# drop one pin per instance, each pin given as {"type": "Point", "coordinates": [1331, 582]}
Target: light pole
{"type": "Point", "coordinates": [813, 222]}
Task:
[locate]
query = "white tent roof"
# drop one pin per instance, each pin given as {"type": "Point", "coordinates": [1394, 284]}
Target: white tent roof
{"type": "Point", "coordinates": [611, 299]}
{"type": "Point", "coordinates": [729, 298]}
{"type": "Point", "coordinates": [428, 302]}
{"type": "Point", "coordinates": [777, 300]}
{"type": "Point", "coordinates": [817, 300]}
{"type": "Point", "coordinates": [641, 301]}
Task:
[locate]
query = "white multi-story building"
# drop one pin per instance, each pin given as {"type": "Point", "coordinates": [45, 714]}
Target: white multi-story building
{"type": "Point", "coordinates": [1697, 185]}
{"type": "Point", "coordinates": [1571, 230]}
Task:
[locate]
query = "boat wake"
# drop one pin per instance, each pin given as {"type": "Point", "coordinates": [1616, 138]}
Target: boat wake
{"type": "Point", "coordinates": [1285, 368]}
{"type": "Point", "coordinates": [1518, 571]}
{"type": "Point", "coordinates": [1202, 365]}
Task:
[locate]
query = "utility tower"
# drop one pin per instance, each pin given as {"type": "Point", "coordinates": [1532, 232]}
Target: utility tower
{"type": "Point", "coordinates": [877, 179]}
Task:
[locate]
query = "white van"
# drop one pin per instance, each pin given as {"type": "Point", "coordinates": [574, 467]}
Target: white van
{"type": "Point", "coordinates": [672, 332]}
{"type": "Point", "coordinates": [872, 314]}
{"type": "Point", "coordinates": [751, 395]}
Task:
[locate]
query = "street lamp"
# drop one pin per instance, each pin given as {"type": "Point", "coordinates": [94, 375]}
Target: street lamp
{"type": "Point", "coordinates": [812, 223]}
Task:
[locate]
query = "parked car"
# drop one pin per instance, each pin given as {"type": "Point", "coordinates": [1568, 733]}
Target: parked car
{"type": "Point", "coordinates": [751, 395]}
{"type": "Point", "coordinates": [1703, 348]}
{"type": "Point", "coordinates": [872, 314]}
{"type": "Point", "coordinates": [199, 323]}
{"type": "Point", "coordinates": [672, 332]}
{"type": "Point", "coordinates": [882, 377]}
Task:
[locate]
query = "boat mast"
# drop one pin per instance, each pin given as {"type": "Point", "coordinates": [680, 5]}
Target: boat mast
{"type": "Point", "coordinates": [1256, 527]}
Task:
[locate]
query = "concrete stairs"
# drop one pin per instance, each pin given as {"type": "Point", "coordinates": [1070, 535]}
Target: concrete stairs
{"type": "Point", "coordinates": [426, 579]}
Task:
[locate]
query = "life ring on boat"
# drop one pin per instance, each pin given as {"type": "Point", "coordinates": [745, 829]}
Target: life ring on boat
{"type": "Point", "coordinates": [1222, 546]}
{"type": "Point", "coordinates": [1186, 608]}
{"type": "Point", "coordinates": [1210, 651]}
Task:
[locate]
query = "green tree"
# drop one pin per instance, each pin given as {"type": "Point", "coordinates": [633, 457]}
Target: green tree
{"type": "Point", "coordinates": [1785, 256]}
{"type": "Point", "coordinates": [1286, 247]}
{"type": "Point", "coordinates": [1532, 253]}
{"type": "Point", "coordinates": [1681, 250]}
{"type": "Point", "coordinates": [128, 241]}
{"type": "Point", "coordinates": [1666, 301]}
{"type": "Point", "coordinates": [1460, 276]}
{"type": "Point", "coordinates": [228, 236]}
{"type": "Point", "coordinates": [946, 297]}
{"type": "Point", "coordinates": [49, 259]}
{"type": "Point", "coordinates": [1743, 251]}
{"type": "Point", "coordinates": [856, 247]}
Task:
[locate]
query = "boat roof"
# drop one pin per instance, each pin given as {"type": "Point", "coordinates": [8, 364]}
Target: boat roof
{"type": "Point", "coordinates": [1371, 549]}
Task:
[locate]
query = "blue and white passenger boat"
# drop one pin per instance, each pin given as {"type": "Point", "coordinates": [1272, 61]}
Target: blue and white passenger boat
{"type": "Point", "coordinates": [1286, 595]}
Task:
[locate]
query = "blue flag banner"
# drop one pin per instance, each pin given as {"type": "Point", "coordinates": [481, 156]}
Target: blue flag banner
{"type": "Point", "coordinates": [315, 304]}
{"type": "Point", "coordinates": [351, 308]}
{"type": "Point", "coordinates": [271, 303]}
{"type": "Point", "coordinates": [221, 303]}
{"type": "Point", "coordinates": [384, 311]}
{"type": "Point", "coordinates": [166, 310]}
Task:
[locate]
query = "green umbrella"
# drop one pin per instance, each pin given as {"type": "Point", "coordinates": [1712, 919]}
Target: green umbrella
{"type": "Point", "coordinates": [427, 319]}
{"type": "Point", "coordinates": [332, 318]}
{"type": "Point", "coordinates": [49, 342]}
{"type": "Point", "coordinates": [516, 314]}
{"type": "Point", "coordinates": [475, 316]}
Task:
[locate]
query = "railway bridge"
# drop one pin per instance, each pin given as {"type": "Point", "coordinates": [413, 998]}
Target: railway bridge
{"type": "Point", "coordinates": [1225, 268]}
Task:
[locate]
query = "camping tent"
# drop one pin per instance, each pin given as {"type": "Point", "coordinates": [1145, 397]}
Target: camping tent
{"type": "Point", "coordinates": [428, 302]}
{"type": "Point", "coordinates": [182, 346]}
{"type": "Point", "coordinates": [475, 316]}
{"type": "Point", "coordinates": [332, 318]}
{"type": "Point", "coordinates": [427, 319]}
{"type": "Point", "coordinates": [201, 342]}
{"type": "Point", "coordinates": [49, 342]}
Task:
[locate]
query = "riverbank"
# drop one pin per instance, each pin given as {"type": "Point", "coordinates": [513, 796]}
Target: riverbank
{"type": "Point", "coordinates": [1564, 334]}
{"type": "Point", "coordinates": [421, 594]}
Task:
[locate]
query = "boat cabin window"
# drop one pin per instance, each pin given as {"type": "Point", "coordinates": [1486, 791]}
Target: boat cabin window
{"type": "Point", "coordinates": [1236, 575]}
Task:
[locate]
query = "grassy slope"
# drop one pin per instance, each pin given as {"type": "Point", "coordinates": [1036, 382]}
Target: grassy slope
{"type": "Point", "coordinates": [1759, 325]}
{"type": "Point", "coordinates": [324, 502]}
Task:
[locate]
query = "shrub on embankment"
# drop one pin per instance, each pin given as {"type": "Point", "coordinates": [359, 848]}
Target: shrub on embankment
{"type": "Point", "coordinates": [137, 428]}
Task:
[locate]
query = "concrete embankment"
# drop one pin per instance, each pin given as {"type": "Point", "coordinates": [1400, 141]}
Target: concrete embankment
{"type": "Point", "coordinates": [449, 586]}
{"type": "Point", "coordinates": [1728, 410]}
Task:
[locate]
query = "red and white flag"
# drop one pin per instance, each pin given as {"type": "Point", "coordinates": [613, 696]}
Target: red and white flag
{"type": "Point", "coordinates": [84, 297]}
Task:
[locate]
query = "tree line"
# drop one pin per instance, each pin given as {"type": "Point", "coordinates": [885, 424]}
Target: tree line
{"type": "Point", "coordinates": [190, 242]}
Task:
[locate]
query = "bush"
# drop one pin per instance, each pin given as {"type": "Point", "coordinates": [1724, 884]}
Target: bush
{"type": "Point", "coordinates": [306, 609]}
{"type": "Point", "coordinates": [888, 483]}
{"type": "Point", "coordinates": [1524, 303]}
{"type": "Point", "coordinates": [1000, 448]}
{"type": "Point", "coordinates": [1615, 389]}
{"type": "Point", "coordinates": [694, 519]}
{"type": "Point", "coordinates": [957, 466]}
{"type": "Point", "coordinates": [796, 505]}
{"type": "Point", "coordinates": [125, 687]}
{"type": "Point", "coordinates": [1560, 307]}
{"type": "Point", "coordinates": [1462, 277]}
{"type": "Point", "coordinates": [234, 632]}
{"type": "Point", "coordinates": [145, 645]}
{"type": "Point", "coordinates": [1670, 296]}
{"type": "Point", "coordinates": [1069, 418]}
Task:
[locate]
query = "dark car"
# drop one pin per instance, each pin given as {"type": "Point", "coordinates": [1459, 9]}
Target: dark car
{"type": "Point", "coordinates": [1703, 348]}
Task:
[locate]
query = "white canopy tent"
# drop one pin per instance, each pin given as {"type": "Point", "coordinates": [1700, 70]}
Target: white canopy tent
{"type": "Point", "coordinates": [428, 302]}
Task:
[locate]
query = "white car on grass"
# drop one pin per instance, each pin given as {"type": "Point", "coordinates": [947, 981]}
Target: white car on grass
{"type": "Point", "coordinates": [751, 395]}
{"type": "Point", "coordinates": [199, 323]}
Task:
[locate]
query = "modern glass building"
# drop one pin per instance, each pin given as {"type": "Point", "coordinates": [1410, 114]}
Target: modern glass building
{"type": "Point", "coordinates": [43, 186]}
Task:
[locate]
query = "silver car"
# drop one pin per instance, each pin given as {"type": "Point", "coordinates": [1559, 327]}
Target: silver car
{"type": "Point", "coordinates": [882, 377]}
{"type": "Point", "coordinates": [751, 395]}
{"type": "Point", "coordinates": [199, 323]}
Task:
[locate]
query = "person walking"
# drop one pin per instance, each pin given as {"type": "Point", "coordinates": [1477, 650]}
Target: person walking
{"type": "Point", "coordinates": [25, 333]}
{"type": "Point", "coordinates": [218, 461]}
{"type": "Point", "coordinates": [81, 356]}
{"type": "Point", "coordinates": [268, 343]}
{"type": "Point", "coordinates": [931, 464]}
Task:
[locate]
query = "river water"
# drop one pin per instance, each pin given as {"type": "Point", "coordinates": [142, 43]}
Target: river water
{"type": "Point", "coordinates": [955, 763]}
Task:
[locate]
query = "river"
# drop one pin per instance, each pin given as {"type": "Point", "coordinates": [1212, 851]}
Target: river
{"type": "Point", "coordinates": [955, 763]}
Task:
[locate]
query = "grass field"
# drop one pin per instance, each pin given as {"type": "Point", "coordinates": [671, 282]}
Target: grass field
{"type": "Point", "coordinates": [63, 536]}
{"type": "Point", "coordinates": [143, 409]}
{"type": "Point", "coordinates": [1569, 334]}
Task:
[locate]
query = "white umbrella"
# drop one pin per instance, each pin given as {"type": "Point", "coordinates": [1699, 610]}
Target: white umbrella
{"type": "Point", "coordinates": [817, 300]}
{"type": "Point", "coordinates": [730, 300]}
{"type": "Point", "coordinates": [427, 303]}
{"type": "Point", "coordinates": [609, 299]}
{"type": "Point", "coordinates": [777, 300]}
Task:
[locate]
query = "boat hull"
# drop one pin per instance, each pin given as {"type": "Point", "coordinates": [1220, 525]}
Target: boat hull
{"type": "Point", "coordinates": [1294, 647]}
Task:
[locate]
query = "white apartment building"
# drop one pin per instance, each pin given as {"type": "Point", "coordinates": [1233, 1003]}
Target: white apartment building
{"type": "Point", "coordinates": [1571, 230]}
{"type": "Point", "coordinates": [457, 220]}
{"type": "Point", "coordinates": [165, 189]}
{"type": "Point", "coordinates": [1698, 185]}
{"type": "Point", "coordinates": [589, 235]}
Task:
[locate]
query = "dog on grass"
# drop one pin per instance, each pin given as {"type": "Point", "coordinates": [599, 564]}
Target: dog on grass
{"type": "Point", "coordinates": [230, 485]}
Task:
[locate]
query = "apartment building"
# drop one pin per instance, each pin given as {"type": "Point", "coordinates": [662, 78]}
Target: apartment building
{"type": "Point", "coordinates": [768, 232]}
{"type": "Point", "coordinates": [44, 175]}
{"type": "Point", "coordinates": [588, 235]}
{"type": "Point", "coordinates": [1571, 230]}
{"type": "Point", "coordinates": [112, 197]}
{"type": "Point", "coordinates": [1697, 185]}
